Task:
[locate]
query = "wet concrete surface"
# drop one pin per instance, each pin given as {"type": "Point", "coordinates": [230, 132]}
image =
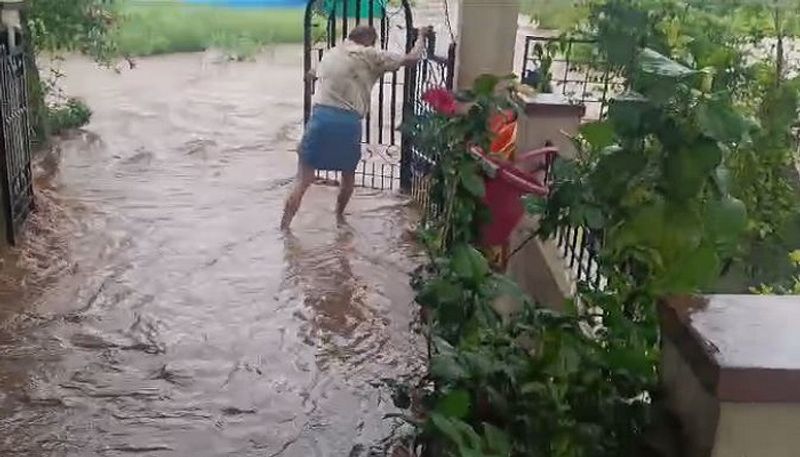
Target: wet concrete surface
{"type": "Point", "coordinates": [156, 309]}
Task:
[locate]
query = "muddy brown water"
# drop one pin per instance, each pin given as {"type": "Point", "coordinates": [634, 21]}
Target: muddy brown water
{"type": "Point", "coordinates": [158, 310]}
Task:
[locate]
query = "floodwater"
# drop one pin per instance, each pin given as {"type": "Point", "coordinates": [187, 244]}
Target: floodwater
{"type": "Point", "coordinates": [157, 309]}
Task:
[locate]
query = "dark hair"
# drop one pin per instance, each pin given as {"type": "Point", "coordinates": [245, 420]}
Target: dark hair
{"type": "Point", "coordinates": [364, 35]}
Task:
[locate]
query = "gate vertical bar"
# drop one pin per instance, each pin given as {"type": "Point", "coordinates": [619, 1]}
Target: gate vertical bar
{"type": "Point", "coordinates": [451, 67]}
{"type": "Point", "coordinates": [26, 129]}
{"type": "Point", "coordinates": [406, 148]}
{"type": "Point", "coordinates": [5, 169]}
{"type": "Point", "coordinates": [307, 45]}
{"type": "Point", "coordinates": [345, 19]}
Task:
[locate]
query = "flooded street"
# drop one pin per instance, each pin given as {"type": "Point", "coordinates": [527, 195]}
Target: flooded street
{"type": "Point", "coordinates": [163, 313]}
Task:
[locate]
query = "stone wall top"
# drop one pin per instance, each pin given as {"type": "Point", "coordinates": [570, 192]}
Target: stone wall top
{"type": "Point", "coordinates": [553, 105]}
{"type": "Point", "coordinates": [743, 348]}
{"type": "Point", "coordinates": [12, 4]}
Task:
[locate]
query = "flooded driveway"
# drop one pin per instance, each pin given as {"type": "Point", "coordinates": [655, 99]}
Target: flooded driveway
{"type": "Point", "coordinates": [162, 313]}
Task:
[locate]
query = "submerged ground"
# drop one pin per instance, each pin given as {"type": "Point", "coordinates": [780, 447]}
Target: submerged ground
{"type": "Point", "coordinates": [160, 312]}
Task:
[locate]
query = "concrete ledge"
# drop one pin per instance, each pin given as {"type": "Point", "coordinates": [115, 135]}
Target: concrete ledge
{"type": "Point", "coordinates": [744, 348]}
{"type": "Point", "coordinates": [730, 369]}
{"type": "Point", "coordinates": [13, 4]}
{"type": "Point", "coordinates": [552, 105]}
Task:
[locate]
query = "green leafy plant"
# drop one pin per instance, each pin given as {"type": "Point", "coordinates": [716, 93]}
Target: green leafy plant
{"type": "Point", "coordinates": [649, 178]}
{"type": "Point", "coordinates": [789, 287]}
{"type": "Point", "coordinates": [652, 180]}
{"type": "Point", "coordinates": [685, 170]}
{"type": "Point", "coordinates": [72, 114]}
{"type": "Point", "coordinates": [741, 48]}
{"type": "Point", "coordinates": [554, 14]}
{"type": "Point", "coordinates": [539, 383]}
{"type": "Point", "coordinates": [56, 26]}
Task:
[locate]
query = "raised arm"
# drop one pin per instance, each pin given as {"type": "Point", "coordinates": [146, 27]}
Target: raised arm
{"type": "Point", "coordinates": [418, 52]}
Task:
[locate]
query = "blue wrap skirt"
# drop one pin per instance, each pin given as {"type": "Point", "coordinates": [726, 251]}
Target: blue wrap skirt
{"type": "Point", "coordinates": [332, 140]}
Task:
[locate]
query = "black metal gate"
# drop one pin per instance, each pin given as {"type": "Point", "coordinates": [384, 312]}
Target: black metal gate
{"type": "Point", "coordinates": [416, 164]}
{"type": "Point", "coordinates": [387, 159]}
{"type": "Point", "coordinates": [15, 157]}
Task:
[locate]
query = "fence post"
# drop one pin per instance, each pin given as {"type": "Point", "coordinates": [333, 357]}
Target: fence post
{"type": "Point", "coordinates": [409, 101]}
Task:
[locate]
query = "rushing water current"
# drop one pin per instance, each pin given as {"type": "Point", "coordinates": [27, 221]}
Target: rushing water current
{"type": "Point", "coordinates": [155, 308]}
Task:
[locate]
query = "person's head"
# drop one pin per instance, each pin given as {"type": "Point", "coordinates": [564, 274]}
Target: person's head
{"type": "Point", "coordinates": [364, 35]}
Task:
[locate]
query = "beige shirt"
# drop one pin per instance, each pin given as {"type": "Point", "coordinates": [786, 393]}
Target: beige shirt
{"type": "Point", "coordinates": [349, 71]}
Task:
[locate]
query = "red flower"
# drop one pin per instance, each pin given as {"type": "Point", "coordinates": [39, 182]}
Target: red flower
{"type": "Point", "coordinates": [442, 100]}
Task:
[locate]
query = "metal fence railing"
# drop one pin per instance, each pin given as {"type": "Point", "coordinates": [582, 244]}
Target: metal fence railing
{"type": "Point", "coordinates": [580, 248]}
{"type": "Point", "coordinates": [16, 175]}
{"type": "Point", "coordinates": [417, 163]}
{"type": "Point", "coordinates": [571, 67]}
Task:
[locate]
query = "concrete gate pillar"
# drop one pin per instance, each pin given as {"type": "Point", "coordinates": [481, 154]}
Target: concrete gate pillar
{"type": "Point", "coordinates": [487, 34]}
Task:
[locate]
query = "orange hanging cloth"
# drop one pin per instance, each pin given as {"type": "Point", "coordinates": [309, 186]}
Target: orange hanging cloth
{"type": "Point", "coordinates": [503, 127]}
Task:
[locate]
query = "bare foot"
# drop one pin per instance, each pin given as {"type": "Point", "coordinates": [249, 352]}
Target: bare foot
{"type": "Point", "coordinates": [288, 216]}
{"type": "Point", "coordinates": [285, 224]}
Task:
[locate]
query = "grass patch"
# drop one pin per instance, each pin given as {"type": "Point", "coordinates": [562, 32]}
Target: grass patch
{"type": "Point", "coordinates": [170, 27]}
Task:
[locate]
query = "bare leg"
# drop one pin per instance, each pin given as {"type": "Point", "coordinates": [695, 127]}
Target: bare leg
{"type": "Point", "coordinates": [305, 177]}
{"type": "Point", "coordinates": [345, 192]}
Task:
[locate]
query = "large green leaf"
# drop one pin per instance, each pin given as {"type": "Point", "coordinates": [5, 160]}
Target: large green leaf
{"type": "Point", "coordinates": [469, 263]}
{"type": "Point", "coordinates": [619, 47]}
{"type": "Point", "coordinates": [485, 84]}
{"type": "Point", "coordinates": [615, 171]}
{"type": "Point", "coordinates": [497, 440]}
{"type": "Point", "coordinates": [718, 120]}
{"type": "Point", "coordinates": [645, 227]}
{"type": "Point", "coordinates": [726, 220]}
{"type": "Point", "coordinates": [685, 170]}
{"type": "Point", "coordinates": [628, 114]}
{"type": "Point", "coordinates": [472, 180]}
{"type": "Point", "coordinates": [662, 231]}
{"type": "Point", "coordinates": [460, 433]}
{"type": "Point", "coordinates": [455, 404]}
{"type": "Point", "coordinates": [448, 429]}
{"type": "Point", "coordinates": [447, 368]}
{"type": "Point", "coordinates": [691, 272]}
{"type": "Point", "coordinates": [656, 64]}
{"type": "Point", "coordinates": [599, 134]}
{"type": "Point", "coordinates": [568, 359]}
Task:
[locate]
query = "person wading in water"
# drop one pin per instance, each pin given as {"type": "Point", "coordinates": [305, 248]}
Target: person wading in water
{"type": "Point", "coordinates": [332, 140]}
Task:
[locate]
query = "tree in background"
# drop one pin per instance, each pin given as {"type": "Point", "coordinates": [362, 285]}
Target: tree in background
{"type": "Point", "coordinates": [57, 26]}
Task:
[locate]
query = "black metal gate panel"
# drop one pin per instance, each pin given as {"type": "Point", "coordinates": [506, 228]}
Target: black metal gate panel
{"type": "Point", "coordinates": [327, 23]}
{"type": "Point", "coordinates": [15, 157]}
{"type": "Point", "coordinates": [385, 153]}
{"type": "Point", "coordinates": [433, 72]}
